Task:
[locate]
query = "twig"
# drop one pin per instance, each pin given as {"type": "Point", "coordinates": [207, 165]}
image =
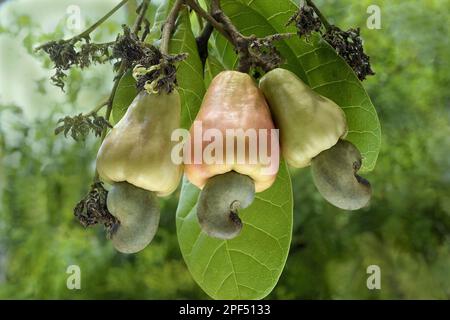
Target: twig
{"type": "Point", "coordinates": [322, 18]}
{"type": "Point", "coordinates": [169, 26]}
{"type": "Point", "coordinates": [85, 34]}
{"type": "Point", "coordinates": [119, 76]}
{"type": "Point", "coordinates": [240, 41]}
{"type": "Point", "coordinates": [123, 65]}
{"type": "Point", "coordinates": [215, 7]}
{"type": "Point", "coordinates": [99, 107]}
{"type": "Point", "coordinates": [141, 16]}
{"type": "Point", "coordinates": [228, 26]}
{"type": "Point", "coordinates": [205, 15]}
{"type": "Point", "coordinates": [120, 73]}
{"type": "Point", "coordinates": [244, 44]}
{"type": "Point", "coordinates": [109, 106]}
{"type": "Point", "coordinates": [146, 32]}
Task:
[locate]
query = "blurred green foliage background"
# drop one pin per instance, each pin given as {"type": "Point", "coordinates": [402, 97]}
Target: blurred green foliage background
{"type": "Point", "coordinates": [406, 230]}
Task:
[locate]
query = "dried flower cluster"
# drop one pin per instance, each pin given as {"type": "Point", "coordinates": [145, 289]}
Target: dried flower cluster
{"type": "Point", "coordinates": [65, 54]}
{"type": "Point", "coordinates": [348, 45]}
{"type": "Point", "coordinates": [306, 21]}
{"type": "Point", "coordinates": [81, 125]}
{"type": "Point", "coordinates": [264, 52]}
{"type": "Point", "coordinates": [92, 209]}
{"type": "Point", "coordinates": [162, 76]}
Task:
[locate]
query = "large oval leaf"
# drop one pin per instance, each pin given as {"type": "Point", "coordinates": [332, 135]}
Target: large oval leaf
{"type": "Point", "coordinates": [249, 266]}
{"type": "Point", "coordinates": [189, 72]}
{"type": "Point", "coordinates": [315, 62]}
{"type": "Point", "coordinates": [160, 17]}
{"type": "Point", "coordinates": [125, 94]}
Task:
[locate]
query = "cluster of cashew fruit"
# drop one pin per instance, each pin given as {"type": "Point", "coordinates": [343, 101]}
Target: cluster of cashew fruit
{"type": "Point", "coordinates": [135, 157]}
{"type": "Point", "coordinates": [312, 129]}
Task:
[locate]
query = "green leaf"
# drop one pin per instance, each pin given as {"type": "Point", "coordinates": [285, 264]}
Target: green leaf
{"type": "Point", "coordinates": [315, 62]}
{"type": "Point", "coordinates": [190, 71]}
{"type": "Point", "coordinates": [160, 17]}
{"type": "Point", "coordinates": [329, 75]}
{"type": "Point", "coordinates": [273, 233]}
{"type": "Point", "coordinates": [125, 94]}
{"type": "Point", "coordinates": [249, 266]}
{"type": "Point", "coordinates": [212, 68]}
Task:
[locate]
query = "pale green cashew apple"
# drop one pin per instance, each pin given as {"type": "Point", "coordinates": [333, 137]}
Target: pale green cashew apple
{"type": "Point", "coordinates": [232, 102]}
{"type": "Point", "coordinates": [138, 148]}
{"type": "Point", "coordinates": [309, 123]}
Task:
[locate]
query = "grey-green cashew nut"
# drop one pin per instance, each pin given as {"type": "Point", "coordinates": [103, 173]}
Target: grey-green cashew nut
{"type": "Point", "coordinates": [220, 201]}
{"type": "Point", "coordinates": [138, 213]}
{"type": "Point", "coordinates": [335, 176]}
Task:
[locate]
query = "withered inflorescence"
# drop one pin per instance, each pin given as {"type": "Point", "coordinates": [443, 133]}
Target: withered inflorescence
{"type": "Point", "coordinates": [92, 209]}
{"type": "Point", "coordinates": [348, 45]}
